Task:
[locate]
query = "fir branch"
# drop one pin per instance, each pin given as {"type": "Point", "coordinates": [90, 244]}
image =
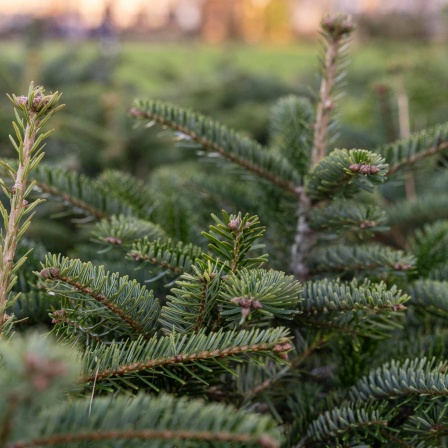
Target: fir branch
{"type": "Point", "coordinates": [176, 257]}
{"type": "Point", "coordinates": [430, 247]}
{"type": "Point", "coordinates": [129, 190]}
{"type": "Point", "coordinates": [362, 258]}
{"type": "Point", "coordinates": [233, 238]}
{"type": "Point", "coordinates": [259, 294]}
{"type": "Point", "coordinates": [335, 31]}
{"type": "Point", "coordinates": [430, 294]}
{"type": "Point", "coordinates": [137, 359]}
{"type": "Point", "coordinates": [344, 172]}
{"type": "Point", "coordinates": [154, 435]}
{"type": "Point", "coordinates": [338, 421]}
{"type": "Point", "coordinates": [418, 377]}
{"type": "Point", "coordinates": [343, 216]}
{"type": "Point", "coordinates": [419, 146]}
{"type": "Point", "coordinates": [191, 306]}
{"type": "Point", "coordinates": [83, 194]}
{"type": "Point", "coordinates": [125, 305]}
{"type": "Point", "coordinates": [216, 138]}
{"type": "Point", "coordinates": [186, 423]}
{"type": "Point", "coordinates": [123, 230]}
{"type": "Point", "coordinates": [37, 109]}
{"type": "Point", "coordinates": [333, 296]}
{"type": "Point", "coordinates": [409, 214]}
{"type": "Point", "coordinates": [291, 131]}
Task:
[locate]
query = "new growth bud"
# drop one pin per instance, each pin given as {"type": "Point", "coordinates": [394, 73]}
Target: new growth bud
{"type": "Point", "coordinates": [338, 26]}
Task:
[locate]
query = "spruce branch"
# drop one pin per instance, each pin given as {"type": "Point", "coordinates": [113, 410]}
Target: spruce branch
{"type": "Point", "coordinates": [37, 108]}
{"type": "Point", "coordinates": [335, 30]}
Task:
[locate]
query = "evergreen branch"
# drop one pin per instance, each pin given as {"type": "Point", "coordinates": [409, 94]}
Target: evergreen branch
{"type": "Point", "coordinates": [233, 238]}
{"type": "Point", "coordinates": [36, 109]}
{"type": "Point", "coordinates": [129, 190]}
{"type": "Point", "coordinates": [155, 357]}
{"type": "Point", "coordinates": [408, 214]}
{"type": "Point", "coordinates": [417, 147]}
{"type": "Point", "coordinates": [291, 132]}
{"type": "Point", "coordinates": [335, 31]}
{"type": "Point", "coordinates": [144, 435]}
{"type": "Point", "coordinates": [256, 294]}
{"type": "Point", "coordinates": [343, 216]}
{"type": "Point", "coordinates": [83, 194]}
{"type": "Point", "coordinates": [177, 257]}
{"type": "Point", "coordinates": [191, 305]}
{"type": "Point", "coordinates": [216, 138]}
{"type": "Point", "coordinates": [344, 172]}
{"type": "Point", "coordinates": [123, 230]}
{"type": "Point", "coordinates": [338, 421]}
{"type": "Point", "coordinates": [418, 377]}
{"type": "Point", "coordinates": [430, 294]}
{"type": "Point", "coordinates": [430, 246]}
{"type": "Point", "coordinates": [321, 297]}
{"type": "Point", "coordinates": [155, 421]}
{"type": "Point", "coordinates": [117, 300]}
{"type": "Point", "coordinates": [362, 258]}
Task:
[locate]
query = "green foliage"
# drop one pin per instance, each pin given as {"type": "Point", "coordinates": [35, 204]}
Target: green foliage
{"type": "Point", "coordinates": [333, 355]}
{"type": "Point", "coordinates": [291, 132]}
{"type": "Point", "coordinates": [344, 173]}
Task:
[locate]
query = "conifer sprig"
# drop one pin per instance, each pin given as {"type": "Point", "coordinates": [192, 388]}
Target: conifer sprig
{"type": "Point", "coordinates": [115, 306]}
{"type": "Point", "coordinates": [216, 138]}
{"type": "Point", "coordinates": [124, 364]}
{"type": "Point", "coordinates": [36, 109]}
{"type": "Point", "coordinates": [232, 238]}
{"type": "Point", "coordinates": [335, 30]}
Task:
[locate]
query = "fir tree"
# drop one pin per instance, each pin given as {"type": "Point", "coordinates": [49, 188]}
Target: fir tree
{"type": "Point", "coordinates": [337, 339]}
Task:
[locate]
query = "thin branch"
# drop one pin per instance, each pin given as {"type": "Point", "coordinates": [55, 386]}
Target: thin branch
{"type": "Point", "coordinates": [18, 206]}
{"type": "Point", "coordinates": [279, 348]}
{"type": "Point", "coordinates": [212, 146]}
{"type": "Point", "coordinates": [101, 298]}
{"type": "Point", "coordinates": [414, 159]}
{"type": "Point", "coordinates": [335, 30]}
{"type": "Point", "coordinates": [264, 441]}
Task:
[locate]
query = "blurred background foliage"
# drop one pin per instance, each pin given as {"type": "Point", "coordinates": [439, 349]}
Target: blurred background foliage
{"type": "Point", "coordinates": [234, 83]}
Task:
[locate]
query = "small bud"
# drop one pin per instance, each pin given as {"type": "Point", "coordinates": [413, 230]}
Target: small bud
{"type": "Point", "coordinates": [374, 170]}
{"type": "Point", "coordinates": [234, 224]}
{"type": "Point", "coordinates": [355, 167]}
{"type": "Point", "coordinates": [402, 267]}
{"type": "Point", "coordinates": [337, 26]}
{"type": "Point", "coordinates": [58, 316]}
{"type": "Point", "coordinates": [398, 307]}
{"type": "Point", "coordinates": [25, 203]}
{"type": "Point", "coordinates": [328, 104]}
{"type": "Point", "coordinates": [367, 224]}
{"type": "Point", "coordinates": [40, 101]}
{"type": "Point", "coordinates": [50, 273]}
{"type": "Point", "coordinates": [22, 100]}
{"type": "Point", "coordinates": [256, 304]}
{"type": "Point", "coordinates": [113, 240]}
{"type": "Point", "coordinates": [365, 169]}
{"type": "Point", "coordinates": [136, 256]}
{"type": "Point", "coordinates": [136, 113]}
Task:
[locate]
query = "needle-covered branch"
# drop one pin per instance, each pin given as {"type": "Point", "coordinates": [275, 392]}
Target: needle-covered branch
{"type": "Point", "coordinates": [36, 109]}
